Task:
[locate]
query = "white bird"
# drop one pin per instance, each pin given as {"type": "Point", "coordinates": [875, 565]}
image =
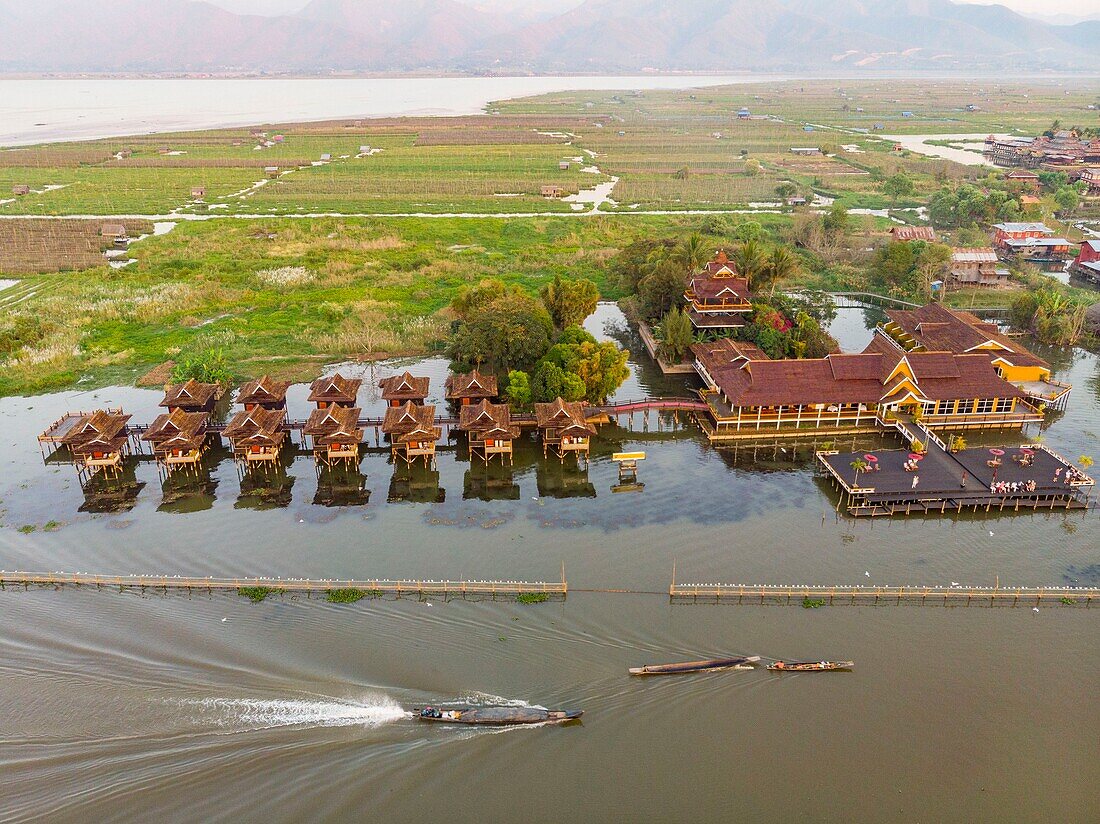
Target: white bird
{"type": "Point", "coordinates": [224, 620]}
{"type": "Point", "coordinates": [303, 520]}
{"type": "Point", "coordinates": [991, 533]}
{"type": "Point", "coordinates": [868, 574]}
{"type": "Point", "coordinates": [956, 584]}
{"type": "Point", "coordinates": [1034, 609]}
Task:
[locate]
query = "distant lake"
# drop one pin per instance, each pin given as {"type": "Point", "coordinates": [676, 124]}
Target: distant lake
{"type": "Point", "coordinates": [44, 110]}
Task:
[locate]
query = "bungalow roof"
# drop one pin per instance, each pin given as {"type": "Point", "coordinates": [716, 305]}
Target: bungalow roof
{"type": "Point", "coordinates": [178, 427]}
{"type": "Point", "coordinates": [190, 394]}
{"type": "Point", "coordinates": [256, 426]}
{"type": "Point", "coordinates": [334, 424]}
{"type": "Point", "coordinates": [335, 389]}
{"type": "Point", "coordinates": [562, 417]}
{"type": "Point", "coordinates": [264, 390]}
{"type": "Point", "coordinates": [409, 419]}
{"type": "Point", "coordinates": [471, 385]}
{"type": "Point", "coordinates": [486, 418]}
{"type": "Point", "coordinates": [99, 425]}
{"type": "Point", "coordinates": [404, 387]}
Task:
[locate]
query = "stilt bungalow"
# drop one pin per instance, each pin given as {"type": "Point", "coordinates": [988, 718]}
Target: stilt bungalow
{"type": "Point", "coordinates": [718, 297]}
{"type": "Point", "coordinates": [99, 442]}
{"type": "Point", "coordinates": [178, 439]}
{"type": "Point", "coordinates": [335, 391]}
{"type": "Point", "coordinates": [191, 396]}
{"type": "Point", "coordinates": [489, 429]}
{"type": "Point", "coordinates": [257, 436]}
{"type": "Point", "coordinates": [976, 267]}
{"type": "Point", "coordinates": [264, 393]}
{"type": "Point", "coordinates": [335, 434]}
{"type": "Point", "coordinates": [404, 388]}
{"type": "Point", "coordinates": [471, 387]}
{"type": "Point", "coordinates": [412, 432]}
{"type": "Point", "coordinates": [564, 427]}
{"type": "Point", "coordinates": [1087, 263]}
{"type": "Point", "coordinates": [935, 328]}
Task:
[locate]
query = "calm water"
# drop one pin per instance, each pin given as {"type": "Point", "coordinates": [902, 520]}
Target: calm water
{"type": "Point", "coordinates": [41, 110]}
{"type": "Point", "coordinates": [119, 706]}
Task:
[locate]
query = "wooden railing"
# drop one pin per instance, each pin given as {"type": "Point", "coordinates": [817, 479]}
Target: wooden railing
{"type": "Point", "coordinates": [862, 596]}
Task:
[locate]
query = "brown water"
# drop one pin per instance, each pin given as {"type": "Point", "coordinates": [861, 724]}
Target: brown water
{"type": "Point", "coordinates": [123, 706]}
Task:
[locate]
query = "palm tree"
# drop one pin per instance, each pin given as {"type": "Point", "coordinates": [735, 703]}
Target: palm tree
{"type": "Point", "coordinates": [691, 253]}
{"type": "Point", "coordinates": [750, 262]}
{"type": "Point", "coordinates": [859, 465]}
{"type": "Point", "coordinates": [1085, 461]}
{"type": "Point", "coordinates": [782, 263]}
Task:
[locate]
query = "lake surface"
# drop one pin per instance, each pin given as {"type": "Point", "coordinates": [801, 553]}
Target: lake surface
{"type": "Point", "coordinates": [46, 110]}
{"type": "Point", "coordinates": [125, 707]}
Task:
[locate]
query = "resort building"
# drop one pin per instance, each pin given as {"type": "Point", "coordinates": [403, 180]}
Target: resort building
{"type": "Point", "coordinates": [470, 387]}
{"type": "Point", "coordinates": [976, 267]}
{"type": "Point", "coordinates": [99, 441]}
{"type": "Point", "coordinates": [1030, 241]}
{"type": "Point", "coordinates": [1087, 263]}
{"type": "Point", "coordinates": [1091, 176]}
{"type": "Point", "coordinates": [908, 233]}
{"type": "Point", "coordinates": [564, 427]}
{"type": "Point", "coordinates": [191, 396]}
{"type": "Point", "coordinates": [1065, 148]}
{"type": "Point", "coordinates": [935, 328]}
{"type": "Point", "coordinates": [334, 391]}
{"type": "Point", "coordinates": [257, 436]}
{"type": "Point", "coordinates": [489, 429]}
{"type": "Point", "coordinates": [400, 389]}
{"type": "Point", "coordinates": [718, 297]}
{"type": "Point", "coordinates": [412, 432]}
{"type": "Point", "coordinates": [1025, 178]}
{"type": "Point", "coordinates": [178, 438]}
{"type": "Point", "coordinates": [264, 393]}
{"type": "Point", "coordinates": [335, 433]}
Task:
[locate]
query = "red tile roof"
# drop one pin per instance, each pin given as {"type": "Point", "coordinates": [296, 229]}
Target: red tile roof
{"type": "Point", "coordinates": [939, 329]}
{"type": "Point", "coordinates": [913, 233]}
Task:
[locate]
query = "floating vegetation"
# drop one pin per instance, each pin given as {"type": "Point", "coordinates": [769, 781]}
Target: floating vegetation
{"type": "Point", "coordinates": [1068, 601]}
{"type": "Point", "coordinates": [349, 595]}
{"type": "Point", "coordinates": [532, 598]}
{"type": "Point", "coordinates": [812, 603]}
{"type": "Point", "coordinates": [255, 594]}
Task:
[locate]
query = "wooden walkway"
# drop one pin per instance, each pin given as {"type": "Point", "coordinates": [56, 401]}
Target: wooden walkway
{"type": "Point", "coordinates": [779, 594]}
{"type": "Point", "coordinates": [376, 587]}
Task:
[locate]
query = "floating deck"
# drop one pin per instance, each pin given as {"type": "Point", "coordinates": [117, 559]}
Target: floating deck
{"type": "Point", "coordinates": [780, 594]}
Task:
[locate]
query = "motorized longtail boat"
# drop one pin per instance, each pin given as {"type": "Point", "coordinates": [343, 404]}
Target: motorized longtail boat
{"type": "Point", "coordinates": [809, 666]}
{"type": "Point", "coordinates": [741, 662]}
{"type": "Point", "coordinates": [497, 716]}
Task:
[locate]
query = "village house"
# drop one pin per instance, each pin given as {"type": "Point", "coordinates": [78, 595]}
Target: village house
{"type": "Point", "coordinates": [116, 232]}
{"type": "Point", "coordinates": [1064, 149]}
{"type": "Point", "coordinates": [470, 387]}
{"type": "Point", "coordinates": [191, 396]}
{"type": "Point", "coordinates": [564, 427]}
{"type": "Point", "coordinates": [908, 233]}
{"type": "Point", "coordinates": [404, 388]}
{"type": "Point", "coordinates": [178, 438]}
{"type": "Point", "coordinates": [198, 192]}
{"type": "Point", "coordinates": [552, 190]}
{"type": "Point", "coordinates": [21, 189]}
{"type": "Point", "coordinates": [805, 150]}
{"type": "Point", "coordinates": [718, 297]}
{"type": "Point", "coordinates": [1087, 262]}
{"type": "Point", "coordinates": [935, 328]}
{"type": "Point", "coordinates": [1030, 241]}
{"type": "Point", "coordinates": [257, 436]}
{"type": "Point", "coordinates": [490, 430]}
{"type": "Point", "coordinates": [1091, 177]}
{"type": "Point", "coordinates": [335, 434]}
{"type": "Point", "coordinates": [99, 441]}
{"type": "Point", "coordinates": [1025, 178]}
{"type": "Point", "coordinates": [264, 393]}
{"type": "Point", "coordinates": [412, 432]}
{"type": "Point", "coordinates": [334, 391]}
{"type": "Point", "coordinates": [976, 267]}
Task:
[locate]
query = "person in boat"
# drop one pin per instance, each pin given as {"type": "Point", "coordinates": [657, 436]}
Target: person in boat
{"type": "Point", "coordinates": [430, 712]}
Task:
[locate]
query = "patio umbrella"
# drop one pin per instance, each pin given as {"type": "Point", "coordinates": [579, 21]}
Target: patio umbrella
{"type": "Point", "coordinates": [871, 458]}
{"type": "Point", "coordinates": [997, 452]}
{"type": "Point", "coordinates": [916, 456]}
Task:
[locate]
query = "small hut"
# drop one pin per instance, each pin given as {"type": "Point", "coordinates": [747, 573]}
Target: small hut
{"type": "Point", "coordinates": [99, 441]}
{"type": "Point", "coordinates": [563, 165]}
{"type": "Point", "coordinates": [412, 432]}
{"type": "Point", "coordinates": [334, 391]}
{"type": "Point", "coordinates": [198, 192]}
{"type": "Point", "coordinates": [257, 436]}
{"type": "Point", "coordinates": [335, 434]}
{"type": "Point", "coordinates": [264, 393]}
{"type": "Point", "coordinates": [402, 388]}
{"type": "Point", "coordinates": [905, 234]}
{"type": "Point", "coordinates": [271, 171]}
{"type": "Point", "coordinates": [469, 387]}
{"type": "Point", "coordinates": [191, 396]}
{"type": "Point", "coordinates": [21, 189]}
{"type": "Point", "coordinates": [564, 428]}
{"type": "Point", "coordinates": [490, 430]}
{"type": "Point", "coordinates": [114, 231]}
{"type": "Point", "coordinates": [551, 190]}
{"type": "Point", "coordinates": [325, 157]}
{"type": "Point", "coordinates": [178, 438]}
{"type": "Point", "coordinates": [125, 153]}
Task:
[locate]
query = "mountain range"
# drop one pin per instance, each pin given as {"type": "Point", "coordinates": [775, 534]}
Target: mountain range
{"type": "Point", "coordinates": [839, 36]}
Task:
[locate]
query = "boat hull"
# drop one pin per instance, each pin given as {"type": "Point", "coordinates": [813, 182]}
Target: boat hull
{"type": "Point", "coordinates": [501, 716]}
{"type": "Point", "coordinates": [809, 666]}
{"type": "Point", "coordinates": [709, 665]}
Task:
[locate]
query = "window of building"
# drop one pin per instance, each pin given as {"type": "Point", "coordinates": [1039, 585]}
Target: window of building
{"type": "Point", "coordinates": [985, 405]}
{"type": "Point", "coordinates": [944, 407]}
{"type": "Point", "coordinates": [966, 407]}
{"type": "Point", "coordinates": [1004, 404]}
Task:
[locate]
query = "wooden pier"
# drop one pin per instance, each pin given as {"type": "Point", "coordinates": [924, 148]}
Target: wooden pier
{"type": "Point", "coordinates": [818, 596]}
{"type": "Point", "coordinates": [374, 587]}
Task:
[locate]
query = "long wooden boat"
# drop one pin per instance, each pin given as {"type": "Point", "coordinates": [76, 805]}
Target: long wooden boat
{"type": "Point", "coordinates": [497, 716]}
{"type": "Point", "coordinates": [741, 662]}
{"type": "Point", "coordinates": [810, 666]}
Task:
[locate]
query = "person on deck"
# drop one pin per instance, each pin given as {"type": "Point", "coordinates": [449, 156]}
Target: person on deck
{"type": "Point", "coordinates": [916, 480]}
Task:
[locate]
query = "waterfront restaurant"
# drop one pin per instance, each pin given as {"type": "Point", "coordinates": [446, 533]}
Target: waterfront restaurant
{"type": "Point", "coordinates": [412, 431]}
{"type": "Point", "coordinates": [264, 393]}
{"type": "Point", "coordinates": [335, 434]}
{"type": "Point", "coordinates": [564, 428]}
{"type": "Point", "coordinates": [470, 387]}
{"type": "Point", "coordinates": [257, 436]}
{"type": "Point", "coordinates": [178, 438]}
{"type": "Point", "coordinates": [935, 328]}
{"type": "Point", "coordinates": [404, 388]}
{"type": "Point", "coordinates": [99, 441]}
{"type": "Point", "coordinates": [489, 429]}
{"type": "Point", "coordinates": [862, 392]}
{"type": "Point", "coordinates": [718, 297]}
{"type": "Point", "coordinates": [191, 396]}
{"type": "Point", "coordinates": [334, 391]}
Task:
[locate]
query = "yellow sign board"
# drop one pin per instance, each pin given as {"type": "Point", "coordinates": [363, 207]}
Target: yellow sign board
{"type": "Point", "coordinates": [628, 456]}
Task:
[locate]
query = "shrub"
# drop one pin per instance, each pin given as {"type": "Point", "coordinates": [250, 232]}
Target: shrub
{"type": "Point", "coordinates": [255, 594]}
{"type": "Point", "coordinates": [532, 598]}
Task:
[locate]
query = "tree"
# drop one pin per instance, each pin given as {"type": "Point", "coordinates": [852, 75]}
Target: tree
{"type": "Point", "coordinates": [753, 167]}
{"type": "Point", "coordinates": [1085, 461]}
{"type": "Point", "coordinates": [898, 186]}
{"type": "Point", "coordinates": [681, 173]}
{"type": "Point", "coordinates": [569, 302]}
{"type": "Point", "coordinates": [1067, 199]}
{"type": "Point", "coordinates": [859, 465]}
{"type": "Point", "coordinates": [210, 366]}
{"type": "Point", "coordinates": [785, 190]}
{"type": "Point", "coordinates": [471, 299]}
{"type": "Point", "coordinates": [749, 230]}
{"type": "Point", "coordinates": [691, 253]}
{"type": "Point", "coordinates": [749, 260]}
{"type": "Point", "coordinates": [511, 332]}
{"type": "Point", "coordinates": [836, 221]}
{"type": "Point", "coordinates": [677, 335]}
{"type": "Point", "coordinates": [660, 290]}
{"type": "Point", "coordinates": [518, 389]}
{"type": "Point", "coordinates": [629, 265]}
{"type": "Point", "coordinates": [781, 264]}
{"type": "Point", "coordinates": [552, 382]}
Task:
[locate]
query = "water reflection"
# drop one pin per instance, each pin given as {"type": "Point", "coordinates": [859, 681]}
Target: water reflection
{"type": "Point", "coordinates": [267, 488]}
{"type": "Point", "coordinates": [107, 493]}
{"type": "Point", "coordinates": [415, 483]}
{"type": "Point", "coordinates": [563, 480]}
{"type": "Point", "coordinates": [341, 486]}
{"type": "Point", "coordinates": [490, 482]}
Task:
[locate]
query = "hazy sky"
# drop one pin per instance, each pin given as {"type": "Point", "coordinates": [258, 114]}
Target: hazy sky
{"type": "Point", "coordinates": [1047, 7]}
